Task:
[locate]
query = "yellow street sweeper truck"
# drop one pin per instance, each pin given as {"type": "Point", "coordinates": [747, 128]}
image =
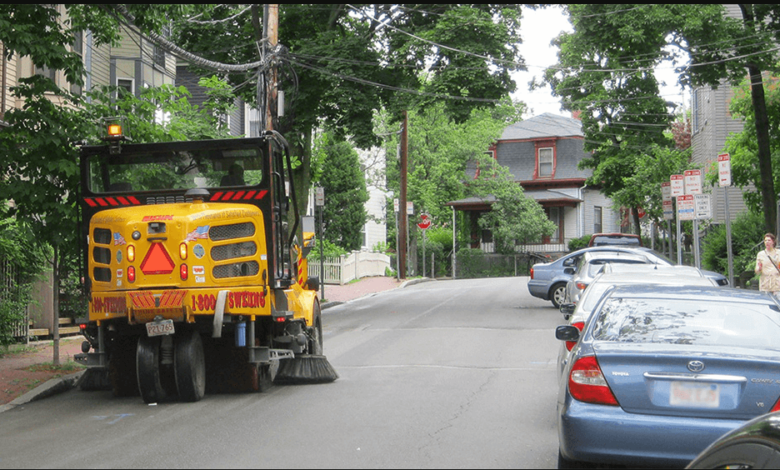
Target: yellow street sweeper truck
{"type": "Point", "coordinates": [193, 269]}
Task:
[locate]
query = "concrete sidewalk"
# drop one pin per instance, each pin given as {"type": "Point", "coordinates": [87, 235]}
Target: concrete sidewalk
{"type": "Point", "coordinates": [16, 376]}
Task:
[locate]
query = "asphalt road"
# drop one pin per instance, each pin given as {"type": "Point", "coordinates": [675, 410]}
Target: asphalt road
{"type": "Point", "coordinates": [454, 374]}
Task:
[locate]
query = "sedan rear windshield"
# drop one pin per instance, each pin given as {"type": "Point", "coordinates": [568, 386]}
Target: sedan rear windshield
{"type": "Point", "coordinates": [688, 322]}
{"type": "Point", "coordinates": [600, 241]}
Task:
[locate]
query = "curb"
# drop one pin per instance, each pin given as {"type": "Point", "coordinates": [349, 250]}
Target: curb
{"type": "Point", "coordinates": [49, 388]}
{"type": "Point", "coordinates": [405, 284]}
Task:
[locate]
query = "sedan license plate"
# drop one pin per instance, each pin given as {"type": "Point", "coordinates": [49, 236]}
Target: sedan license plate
{"type": "Point", "coordinates": [694, 395]}
{"type": "Point", "coordinates": [160, 328]}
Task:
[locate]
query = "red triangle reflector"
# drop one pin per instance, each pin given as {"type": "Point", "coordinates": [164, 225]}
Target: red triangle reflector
{"type": "Point", "coordinates": [157, 261]}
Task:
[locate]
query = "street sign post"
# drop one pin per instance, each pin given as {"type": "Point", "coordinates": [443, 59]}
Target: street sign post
{"type": "Point", "coordinates": [724, 179]}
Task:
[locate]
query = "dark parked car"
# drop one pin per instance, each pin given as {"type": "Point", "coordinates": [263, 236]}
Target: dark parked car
{"type": "Point", "coordinates": [755, 444]}
{"type": "Point", "coordinates": [661, 372]}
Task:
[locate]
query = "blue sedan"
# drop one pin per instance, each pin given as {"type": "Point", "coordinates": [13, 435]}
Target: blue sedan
{"type": "Point", "coordinates": [661, 372]}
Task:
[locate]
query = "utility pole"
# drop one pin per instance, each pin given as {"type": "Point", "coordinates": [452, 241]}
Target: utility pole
{"type": "Point", "coordinates": [271, 33]}
{"type": "Point", "coordinates": [402, 217]}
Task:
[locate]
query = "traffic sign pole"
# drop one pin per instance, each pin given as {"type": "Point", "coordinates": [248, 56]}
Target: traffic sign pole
{"type": "Point", "coordinates": [724, 176]}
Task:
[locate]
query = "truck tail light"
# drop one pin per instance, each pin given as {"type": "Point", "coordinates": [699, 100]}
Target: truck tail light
{"type": "Point", "coordinates": [130, 253]}
{"type": "Point", "coordinates": [579, 325]}
{"type": "Point", "coordinates": [131, 274]}
{"type": "Point", "coordinates": [183, 272]}
{"type": "Point", "coordinates": [183, 251]}
{"type": "Point", "coordinates": [587, 383]}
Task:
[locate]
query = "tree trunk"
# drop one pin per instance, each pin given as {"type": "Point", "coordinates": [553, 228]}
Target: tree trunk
{"type": "Point", "coordinates": [637, 227]}
{"type": "Point", "coordinates": [768, 196]}
{"type": "Point", "coordinates": [55, 326]}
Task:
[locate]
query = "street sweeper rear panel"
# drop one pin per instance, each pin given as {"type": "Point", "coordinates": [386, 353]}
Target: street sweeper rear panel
{"type": "Point", "coordinates": [192, 269]}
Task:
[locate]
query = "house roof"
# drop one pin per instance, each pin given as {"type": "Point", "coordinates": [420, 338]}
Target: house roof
{"type": "Point", "coordinates": [542, 126]}
{"type": "Point", "coordinates": [542, 197]}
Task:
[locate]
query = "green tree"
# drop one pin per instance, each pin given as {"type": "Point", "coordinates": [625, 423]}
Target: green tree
{"type": "Point", "coordinates": [743, 146]}
{"type": "Point", "coordinates": [345, 192]}
{"type": "Point", "coordinates": [606, 70]}
{"type": "Point", "coordinates": [654, 166]}
{"type": "Point", "coordinates": [340, 63]}
{"type": "Point", "coordinates": [39, 148]}
{"type": "Point", "coordinates": [513, 218]}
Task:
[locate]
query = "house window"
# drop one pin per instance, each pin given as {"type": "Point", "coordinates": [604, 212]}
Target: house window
{"type": "Point", "coordinates": [597, 220]}
{"type": "Point", "coordinates": [127, 84]}
{"type": "Point", "coordinates": [78, 48]}
{"type": "Point", "coordinates": [545, 163]}
{"type": "Point", "coordinates": [46, 72]}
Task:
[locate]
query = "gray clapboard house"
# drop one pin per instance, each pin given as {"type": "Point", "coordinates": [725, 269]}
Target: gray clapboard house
{"type": "Point", "coordinates": [543, 154]}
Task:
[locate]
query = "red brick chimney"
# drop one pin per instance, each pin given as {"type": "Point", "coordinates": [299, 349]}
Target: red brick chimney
{"type": "Point", "coordinates": [576, 115]}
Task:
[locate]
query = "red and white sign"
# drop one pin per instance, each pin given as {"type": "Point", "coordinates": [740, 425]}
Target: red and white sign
{"type": "Point", "coordinates": [640, 212]}
{"type": "Point", "coordinates": [686, 208]}
{"type": "Point", "coordinates": [677, 183]}
{"type": "Point", "coordinates": [724, 170]}
{"type": "Point", "coordinates": [693, 182]}
{"type": "Point", "coordinates": [668, 210]}
{"type": "Point", "coordinates": [426, 222]}
{"type": "Point", "coordinates": [666, 192]}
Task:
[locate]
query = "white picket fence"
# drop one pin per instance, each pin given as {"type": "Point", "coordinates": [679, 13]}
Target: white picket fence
{"type": "Point", "coordinates": [356, 265]}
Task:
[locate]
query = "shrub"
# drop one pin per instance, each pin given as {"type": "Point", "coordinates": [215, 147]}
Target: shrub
{"type": "Point", "coordinates": [746, 232]}
{"type": "Point", "coordinates": [579, 243]}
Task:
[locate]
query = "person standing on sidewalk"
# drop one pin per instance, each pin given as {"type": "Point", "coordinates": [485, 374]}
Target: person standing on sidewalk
{"type": "Point", "coordinates": [768, 266]}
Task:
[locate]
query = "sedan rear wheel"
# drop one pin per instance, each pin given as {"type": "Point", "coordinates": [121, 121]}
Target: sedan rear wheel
{"type": "Point", "coordinates": [558, 295]}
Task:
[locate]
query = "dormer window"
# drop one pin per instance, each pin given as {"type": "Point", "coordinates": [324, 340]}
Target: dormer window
{"type": "Point", "coordinates": [545, 162]}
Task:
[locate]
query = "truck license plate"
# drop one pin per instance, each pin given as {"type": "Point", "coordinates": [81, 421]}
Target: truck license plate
{"type": "Point", "coordinates": [160, 328]}
{"type": "Point", "coordinates": [694, 395]}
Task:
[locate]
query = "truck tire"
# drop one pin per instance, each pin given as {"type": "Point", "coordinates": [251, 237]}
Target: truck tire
{"type": "Point", "coordinates": [121, 367]}
{"type": "Point", "coordinates": [148, 369]}
{"type": "Point", "coordinates": [190, 366]}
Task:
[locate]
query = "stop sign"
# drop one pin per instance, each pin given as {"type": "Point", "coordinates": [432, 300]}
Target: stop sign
{"type": "Point", "coordinates": [426, 222]}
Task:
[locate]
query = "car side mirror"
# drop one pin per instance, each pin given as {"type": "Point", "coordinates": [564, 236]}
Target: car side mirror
{"type": "Point", "coordinates": [568, 271]}
{"type": "Point", "coordinates": [567, 310]}
{"type": "Point", "coordinates": [567, 333]}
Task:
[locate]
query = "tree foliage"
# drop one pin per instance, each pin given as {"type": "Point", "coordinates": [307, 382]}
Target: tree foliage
{"type": "Point", "coordinates": [345, 192]}
{"type": "Point", "coordinates": [513, 216]}
{"type": "Point", "coordinates": [743, 146]}
{"type": "Point", "coordinates": [606, 70]}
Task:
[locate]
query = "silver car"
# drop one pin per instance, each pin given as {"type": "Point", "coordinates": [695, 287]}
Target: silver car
{"type": "Point", "coordinates": [590, 266]}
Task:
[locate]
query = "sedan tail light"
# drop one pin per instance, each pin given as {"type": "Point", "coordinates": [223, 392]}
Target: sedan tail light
{"type": "Point", "coordinates": [581, 285]}
{"type": "Point", "coordinates": [776, 407]}
{"type": "Point", "coordinates": [532, 273]}
{"type": "Point", "coordinates": [579, 325]}
{"type": "Point", "coordinates": [587, 383]}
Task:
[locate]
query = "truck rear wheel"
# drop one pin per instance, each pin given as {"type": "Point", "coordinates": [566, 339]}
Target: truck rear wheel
{"type": "Point", "coordinates": [148, 369]}
{"type": "Point", "coordinates": [121, 367]}
{"type": "Point", "coordinates": [190, 366]}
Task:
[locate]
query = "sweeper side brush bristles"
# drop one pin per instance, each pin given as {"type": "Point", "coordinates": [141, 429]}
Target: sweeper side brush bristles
{"type": "Point", "coordinates": [305, 369]}
{"type": "Point", "coordinates": [94, 379]}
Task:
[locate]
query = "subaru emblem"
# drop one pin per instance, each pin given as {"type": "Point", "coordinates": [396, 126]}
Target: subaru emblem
{"type": "Point", "coordinates": [695, 366]}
